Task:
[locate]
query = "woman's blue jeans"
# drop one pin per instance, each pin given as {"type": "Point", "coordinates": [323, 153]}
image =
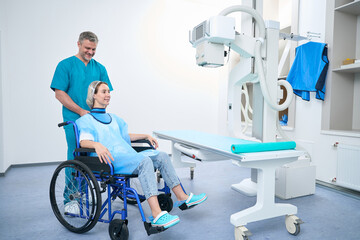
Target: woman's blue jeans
{"type": "Point", "coordinates": [146, 175]}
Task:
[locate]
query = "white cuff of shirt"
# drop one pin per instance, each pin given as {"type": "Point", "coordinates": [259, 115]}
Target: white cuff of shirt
{"type": "Point", "coordinates": [86, 136]}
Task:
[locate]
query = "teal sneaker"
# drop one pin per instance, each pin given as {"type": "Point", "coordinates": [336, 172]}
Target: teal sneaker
{"type": "Point", "coordinates": [164, 219]}
{"type": "Point", "coordinates": [192, 201]}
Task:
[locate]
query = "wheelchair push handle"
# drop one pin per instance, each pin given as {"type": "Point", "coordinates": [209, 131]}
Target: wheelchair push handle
{"type": "Point", "coordinates": [63, 124]}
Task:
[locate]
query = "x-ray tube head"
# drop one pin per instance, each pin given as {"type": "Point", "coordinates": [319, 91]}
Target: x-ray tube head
{"type": "Point", "coordinates": [210, 54]}
{"type": "Point", "coordinates": [209, 38]}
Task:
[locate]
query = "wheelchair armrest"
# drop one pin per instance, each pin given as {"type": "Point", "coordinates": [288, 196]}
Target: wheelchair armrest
{"type": "Point", "coordinates": [142, 141]}
{"type": "Point", "coordinates": [84, 150]}
{"type": "Point", "coordinates": [138, 148]}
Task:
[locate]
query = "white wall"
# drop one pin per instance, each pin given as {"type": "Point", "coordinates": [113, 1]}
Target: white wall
{"type": "Point", "coordinates": [1, 114]}
{"type": "Point", "coordinates": [144, 46]}
{"type": "Point", "coordinates": [2, 27]}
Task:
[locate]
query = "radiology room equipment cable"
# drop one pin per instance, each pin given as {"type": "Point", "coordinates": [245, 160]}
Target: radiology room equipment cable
{"type": "Point", "coordinates": [258, 59]}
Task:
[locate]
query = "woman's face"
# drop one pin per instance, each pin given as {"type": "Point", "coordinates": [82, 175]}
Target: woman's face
{"type": "Point", "coordinates": [102, 97]}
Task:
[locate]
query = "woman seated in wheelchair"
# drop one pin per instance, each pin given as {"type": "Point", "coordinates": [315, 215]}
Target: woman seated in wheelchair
{"type": "Point", "coordinates": [108, 135]}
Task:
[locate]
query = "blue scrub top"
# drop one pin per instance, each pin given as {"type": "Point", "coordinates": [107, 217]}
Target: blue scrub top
{"type": "Point", "coordinates": [115, 137]}
{"type": "Point", "coordinates": [73, 77]}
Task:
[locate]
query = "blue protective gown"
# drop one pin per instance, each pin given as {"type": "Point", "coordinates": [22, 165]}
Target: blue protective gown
{"type": "Point", "coordinates": [308, 72]}
{"type": "Point", "coordinates": [112, 132]}
{"type": "Point", "coordinates": [73, 77]}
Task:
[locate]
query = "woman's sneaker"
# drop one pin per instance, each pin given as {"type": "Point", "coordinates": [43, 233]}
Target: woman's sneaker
{"type": "Point", "coordinates": [164, 219]}
{"type": "Point", "coordinates": [191, 201]}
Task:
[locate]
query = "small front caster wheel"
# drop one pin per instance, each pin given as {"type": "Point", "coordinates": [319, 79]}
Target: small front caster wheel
{"type": "Point", "coordinates": [118, 230]}
{"type": "Point", "coordinates": [165, 202]}
{"type": "Point", "coordinates": [242, 233]}
{"type": "Point", "coordinates": [292, 223]}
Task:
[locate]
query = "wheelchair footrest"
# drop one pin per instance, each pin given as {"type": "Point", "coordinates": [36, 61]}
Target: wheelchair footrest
{"type": "Point", "coordinates": [152, 230]}
{"type": "Point", "coordinates": [185, 207]}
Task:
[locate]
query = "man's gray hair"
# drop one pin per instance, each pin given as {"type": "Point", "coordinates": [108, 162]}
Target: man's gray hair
{"type": "Point", "coordinates": [89, 36]}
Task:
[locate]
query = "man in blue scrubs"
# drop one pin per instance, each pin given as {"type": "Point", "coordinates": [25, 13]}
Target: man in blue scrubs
{"type": "Point", "coordinates": [70, 82]}
{"type": "Point", "coordinates": [71, 79]}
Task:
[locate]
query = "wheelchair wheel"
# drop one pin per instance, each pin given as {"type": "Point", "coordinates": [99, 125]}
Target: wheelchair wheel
{"type": "Point", "coordinates": [165, 202]}
{"type": "Point", "coordinates": [75, 196]}
{"type": "Point", "coordinates": [118, 230]}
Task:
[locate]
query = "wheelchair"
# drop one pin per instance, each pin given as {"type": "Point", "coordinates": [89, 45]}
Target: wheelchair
{"type": "Point", "coordinates": [77, 188]}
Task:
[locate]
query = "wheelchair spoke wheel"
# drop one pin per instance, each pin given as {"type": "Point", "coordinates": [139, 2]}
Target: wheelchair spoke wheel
{"type": "Point", "coordinates": [118, 230]}
{"type": "Point", "coordinates": [75, 196]}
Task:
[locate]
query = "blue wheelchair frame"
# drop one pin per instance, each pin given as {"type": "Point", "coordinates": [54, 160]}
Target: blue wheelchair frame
{"type": "Point", "coordinates": [118, 185]}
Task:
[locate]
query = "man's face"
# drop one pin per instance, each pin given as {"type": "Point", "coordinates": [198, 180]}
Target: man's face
{"type": "Point", "coordinates": [87, 50]}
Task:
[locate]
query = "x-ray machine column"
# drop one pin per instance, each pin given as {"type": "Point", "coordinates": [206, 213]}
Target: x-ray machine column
{"type": "Point", "coordinates": [264, 117]}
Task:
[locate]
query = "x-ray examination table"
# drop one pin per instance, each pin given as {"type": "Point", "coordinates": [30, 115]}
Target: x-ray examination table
{"type": "Point", "coordinates": [210, 147]}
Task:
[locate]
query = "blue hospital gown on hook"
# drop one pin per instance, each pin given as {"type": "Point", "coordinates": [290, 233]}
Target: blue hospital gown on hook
{"type": "Point", "coordinates": [308, 72]}
{"type": "Point", "coordinates": [114, 136]}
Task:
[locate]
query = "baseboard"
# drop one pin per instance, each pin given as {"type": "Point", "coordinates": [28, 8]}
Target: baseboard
{"type": "Point", "coordinates": [347, 191]}
{"type": "Point", "coordinates": [2, 174]}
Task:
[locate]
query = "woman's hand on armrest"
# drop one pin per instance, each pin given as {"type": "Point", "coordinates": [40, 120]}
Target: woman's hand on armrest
{"type": "Point", "coordinates": [102, 152]}
{"type": "Point", "coordinates": [153, 141]}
